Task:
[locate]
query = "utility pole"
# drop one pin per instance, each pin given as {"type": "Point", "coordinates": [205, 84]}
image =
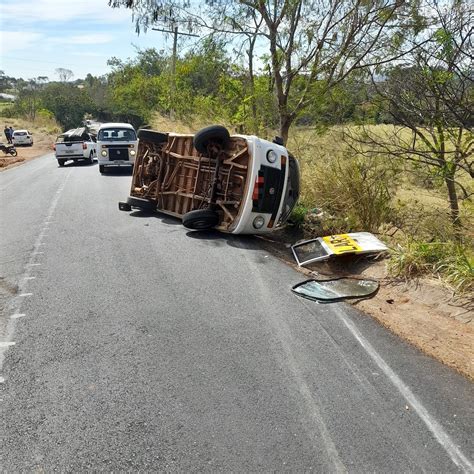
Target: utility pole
{"type": "Point", "coordinates": [175, 34]}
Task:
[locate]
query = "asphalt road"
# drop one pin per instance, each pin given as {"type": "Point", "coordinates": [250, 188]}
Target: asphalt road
{"type": "Point", "coordinates": [130, 343]}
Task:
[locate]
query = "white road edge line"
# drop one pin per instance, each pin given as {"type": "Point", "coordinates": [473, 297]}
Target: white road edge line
{"type": "Point", "coordinates": [7, 344]}
{"type": "Point", "coordinates": [440, 434]}
{"type": "Point", "coordinates": [16, 303]}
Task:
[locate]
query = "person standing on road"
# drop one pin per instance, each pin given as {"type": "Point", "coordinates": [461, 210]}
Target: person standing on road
{"type": "Point", "coordinates": [6, 131]}
{"type": "Point", "coordinates": [11, 134]}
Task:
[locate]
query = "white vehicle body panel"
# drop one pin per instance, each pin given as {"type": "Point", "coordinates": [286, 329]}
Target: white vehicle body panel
{"type": "Point", "coordinates": [324, 248]}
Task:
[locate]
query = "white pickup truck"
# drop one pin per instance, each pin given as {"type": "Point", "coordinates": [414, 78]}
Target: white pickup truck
{"type": "Point", "coordinates": [76, 144]}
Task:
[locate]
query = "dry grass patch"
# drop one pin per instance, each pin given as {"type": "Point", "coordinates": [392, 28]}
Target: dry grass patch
{"type": "Point", "coordinates": [44, 130]}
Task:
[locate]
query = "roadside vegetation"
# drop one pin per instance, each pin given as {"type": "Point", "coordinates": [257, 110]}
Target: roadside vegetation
{"type": "Point", "coordinates": [383, 129]}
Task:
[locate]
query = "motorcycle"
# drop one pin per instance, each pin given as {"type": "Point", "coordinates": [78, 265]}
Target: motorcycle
{"type": "Point", "coordinates": [8, 149]}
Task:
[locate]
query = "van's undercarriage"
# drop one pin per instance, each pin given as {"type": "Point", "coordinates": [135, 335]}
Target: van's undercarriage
{"type": "Point", "coordinates": [172, 174]}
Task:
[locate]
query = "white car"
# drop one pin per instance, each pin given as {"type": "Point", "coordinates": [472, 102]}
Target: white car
{"type": "Point", "coordinates": [22, 137]}
{"type": "Point", "coordinates": [240, 184]}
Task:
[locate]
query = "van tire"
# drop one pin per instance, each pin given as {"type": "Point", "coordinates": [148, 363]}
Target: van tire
{"type": "Point", "coordinates": [101, 169]}
{"type": "Point", "coordinates": [152, 136]}
{"type": "Point", "coordinates": [61, 162]}
{"type": "Point", "coordinates": [201, 219]}
{"type": "Point", "coordinates": [143, 204]}
{"type": "Point", "coordinates": [213, 133]}
{"type": "Point", "coordinates": [90, 160]}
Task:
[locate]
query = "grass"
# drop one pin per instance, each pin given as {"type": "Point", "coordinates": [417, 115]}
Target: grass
{"type": "Point", "coordinates": [447, 260]}
{"type": "Point", "coordinates": [42, 125]}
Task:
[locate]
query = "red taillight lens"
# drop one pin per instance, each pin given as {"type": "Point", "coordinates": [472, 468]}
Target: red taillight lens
{"type": "Point", "coordinates": [258, 186]}
{"type": "Point", "coordinates": [54, 147]}
{"type": "Point", "coordinates": [84, 146]}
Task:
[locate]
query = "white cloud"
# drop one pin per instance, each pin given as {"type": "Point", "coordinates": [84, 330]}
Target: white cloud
{"type": "Point", "coordinates": [61, 11]}
{"type": "Point", "coordinates": [89, 38]}
{"type": "Point", "coordinates": [18, 40]}
{"type": "Point", "coordinates": [90, 54]}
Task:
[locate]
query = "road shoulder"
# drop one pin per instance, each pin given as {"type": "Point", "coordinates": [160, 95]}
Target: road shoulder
{"type": "Point", "coordinates": [423, 313]}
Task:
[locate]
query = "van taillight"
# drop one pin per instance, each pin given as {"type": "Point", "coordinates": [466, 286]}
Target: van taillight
{"type": "Point", "coordinates": [54, 147]}
{"type": "Point", "coordinates": [84, 146]}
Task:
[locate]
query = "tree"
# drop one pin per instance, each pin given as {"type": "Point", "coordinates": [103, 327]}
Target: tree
{"type": "Point", "coordinates": [6, 82]}
{"type": "Point", "coordinates": [430, 99]}
{"type": "Point", "coordinates": [317, 41]}
{"type": "Point", "coordinates": [68, 103]}
{"type": "Point", "coordinates": [65, 75]}
{"type": "Point", "coordinates": [28, 100]}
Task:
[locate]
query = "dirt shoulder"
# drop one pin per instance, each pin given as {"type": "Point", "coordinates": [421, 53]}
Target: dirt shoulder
{"type": "Point", "coordinates": [43, 140]}
{"type": "Point", "coordinates": [425, 313]}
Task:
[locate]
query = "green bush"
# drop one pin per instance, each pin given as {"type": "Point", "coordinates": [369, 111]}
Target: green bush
{"type": "Point", "coordinates": [298, 215]}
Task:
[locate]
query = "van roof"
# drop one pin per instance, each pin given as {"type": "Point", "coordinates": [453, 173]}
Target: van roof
{"type": "Point", "coordinates": [116, 125]}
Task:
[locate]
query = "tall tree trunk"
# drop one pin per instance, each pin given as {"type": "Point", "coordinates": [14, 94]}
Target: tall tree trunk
{"type": "Point", "coordinates": [253, 100]}
{"type": "Point", "coordinates": [285, 123]}
{"type": "Point", "coordinates": [453, 202]}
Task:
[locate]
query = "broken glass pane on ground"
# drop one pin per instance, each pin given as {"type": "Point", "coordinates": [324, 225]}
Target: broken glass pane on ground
{"type": "Point", "coordinates": [336, 289]}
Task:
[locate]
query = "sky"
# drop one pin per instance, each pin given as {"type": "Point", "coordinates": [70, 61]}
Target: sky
{"type": "Point", "coordinates": [39, 36]}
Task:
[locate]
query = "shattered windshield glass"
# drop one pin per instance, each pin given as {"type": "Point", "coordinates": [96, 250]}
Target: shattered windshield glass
{"type": "Point", "coordinates": [336, 289]}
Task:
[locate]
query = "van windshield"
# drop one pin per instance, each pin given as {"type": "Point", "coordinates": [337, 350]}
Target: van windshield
{"type": "Point", "coordinates": [117, 134]}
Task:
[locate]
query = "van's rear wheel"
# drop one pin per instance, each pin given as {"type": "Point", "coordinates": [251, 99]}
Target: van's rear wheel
{"type": "Point", "coordinates": [61, 162]}
{"type": "Point", "coordinates": [201, 219]}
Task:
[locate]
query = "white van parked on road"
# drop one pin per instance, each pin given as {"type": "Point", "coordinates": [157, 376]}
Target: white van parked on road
{"type": "Point", "coordinates": [116, 145]}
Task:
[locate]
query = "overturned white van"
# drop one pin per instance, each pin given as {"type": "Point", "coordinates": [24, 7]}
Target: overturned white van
{"type": "Point", "coordinates": [239, 184]}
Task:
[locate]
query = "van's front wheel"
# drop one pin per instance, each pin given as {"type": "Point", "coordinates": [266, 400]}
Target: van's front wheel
{"type": "Point", "coordinates": [201, 219]}
{"type": "Point", "coordinates": [212, 134]}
